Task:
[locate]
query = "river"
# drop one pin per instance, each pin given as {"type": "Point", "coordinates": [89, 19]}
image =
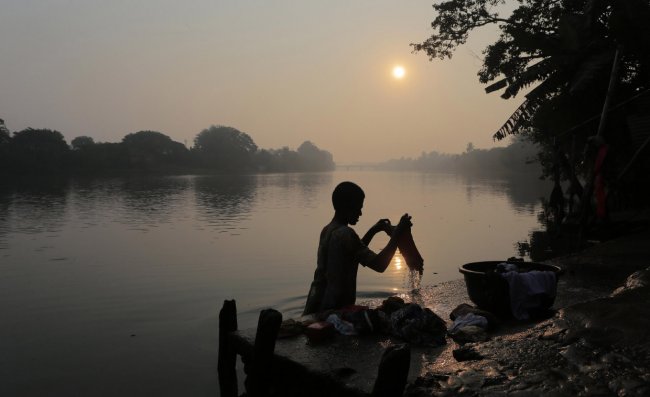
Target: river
{"type": "Point", "coordinates": [112, 286]}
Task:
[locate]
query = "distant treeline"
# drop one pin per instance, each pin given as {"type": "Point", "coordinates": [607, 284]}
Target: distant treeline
{"type": "Point", "coordinates": [517, 158]}
{"type": "Point", "coordinates": [215, 149]}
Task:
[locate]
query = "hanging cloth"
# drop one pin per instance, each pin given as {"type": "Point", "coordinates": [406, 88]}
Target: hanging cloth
{"type": "Point", "coordinates": [410, 252]}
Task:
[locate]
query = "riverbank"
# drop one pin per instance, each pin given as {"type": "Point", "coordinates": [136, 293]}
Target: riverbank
{"type": "Point", "coordinates": [595, 343]}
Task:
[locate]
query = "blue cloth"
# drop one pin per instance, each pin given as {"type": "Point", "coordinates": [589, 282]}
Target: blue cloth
{"type": "Point", "coordinates": [466, 320]}
{"type": "Point", "coordinates": [344, 327]}
{"type": "Point", "coordinates": [529, 290]}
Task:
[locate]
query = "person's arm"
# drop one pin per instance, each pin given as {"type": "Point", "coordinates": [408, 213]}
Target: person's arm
{"type": "Point", "coordinates": [382, 260]}
{"type": "Point", "coordinates": [383, 225]}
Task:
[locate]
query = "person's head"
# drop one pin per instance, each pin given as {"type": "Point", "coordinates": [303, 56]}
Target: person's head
{"type": "Point", "coordinates": [347, 199]}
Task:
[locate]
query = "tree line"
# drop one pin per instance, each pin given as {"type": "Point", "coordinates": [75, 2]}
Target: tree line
{"type": "Point", "coordinates": [520, 157]}
{"type": "Point", "coordinates": [215, 149]}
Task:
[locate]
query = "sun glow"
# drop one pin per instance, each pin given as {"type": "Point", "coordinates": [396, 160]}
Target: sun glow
{"type": "Point", "coordinates": [399, 72]}
{"type": "Point", "coordinates": [398, 262]}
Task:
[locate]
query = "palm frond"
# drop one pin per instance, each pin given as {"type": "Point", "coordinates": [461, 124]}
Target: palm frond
{"type": "Point", "coordinates": [496, 86]}
{"type": "Point", "coordinates": [533, 74]}
{"type": "Point", "coordinates": [516, 120]}
{"type": "Point", "coordinates": [522, 115]}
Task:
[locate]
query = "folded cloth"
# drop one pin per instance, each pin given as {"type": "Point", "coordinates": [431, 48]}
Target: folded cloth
{"type": "Point", "coordinates": [467, 320]}
{"type": "Point", "coordinates": [530, 290]}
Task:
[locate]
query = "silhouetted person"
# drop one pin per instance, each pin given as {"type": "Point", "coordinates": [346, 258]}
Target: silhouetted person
{"type": "Point", "coordinates": [340, 251]}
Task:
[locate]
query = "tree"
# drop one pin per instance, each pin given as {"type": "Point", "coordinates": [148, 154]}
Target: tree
{"type": "Point", "coordinates": [561, 46]}
{"type": "Point", "coordinates": [81, 142]}
{"type": "Point", "coordinates": [152, 149]}
{"type": "Point", "coordinates": [562, 52]}
{"type": "Point", "coordinates": [4, 133]}
{"type": "Point", "coordinates": [225, 148]}
{"type": "Point", "coordinates": [315, 159]}
{"type": "Point", "coordinates": [37, 150]}
{"type": "Point", "coordinates": [100, 157]}
{"type": "Point", "coordinates": [5, 138]}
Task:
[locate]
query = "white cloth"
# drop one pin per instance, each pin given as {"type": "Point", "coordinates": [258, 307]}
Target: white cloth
{"type": "Point", "coordinates": [527, 290]}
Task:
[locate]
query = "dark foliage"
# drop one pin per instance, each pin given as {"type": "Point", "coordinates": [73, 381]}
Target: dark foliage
{"type": "Point", "coordinates": [153, 150]}
{"type": "Point", "coordinates": [36, 150]}
{"type": "Point", "coordinates": [217, 149]}
{"type": "Point", "coordinates": [224, 148]}
{"type": "Point", "coordinates": [563, 49]}
{"type": "Point", "coordinates": [81, 142]}
{"type": "Point", "coordinates": [560, 54]}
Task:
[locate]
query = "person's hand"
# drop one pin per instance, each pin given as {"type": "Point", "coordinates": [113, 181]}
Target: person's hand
{"type": "Point", "coordinates": [403, 225]}
{"type": "Point", "coordinates": [383, 225]}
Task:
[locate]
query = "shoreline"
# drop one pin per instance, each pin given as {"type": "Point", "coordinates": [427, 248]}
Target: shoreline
{"type": "Point", "coordinates": [594, 344]}
{"type": "Point", "coordinates": [597, 343]}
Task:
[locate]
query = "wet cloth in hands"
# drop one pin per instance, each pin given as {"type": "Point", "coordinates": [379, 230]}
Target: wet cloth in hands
{"type": "Point", "coordinates": [529, 291]}
{"type": "Point", "coordinates": [410, 252]}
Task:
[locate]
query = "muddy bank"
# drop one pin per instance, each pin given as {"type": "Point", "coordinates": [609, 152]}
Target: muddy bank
{"type": "Point", "coordinates": [596, 343]}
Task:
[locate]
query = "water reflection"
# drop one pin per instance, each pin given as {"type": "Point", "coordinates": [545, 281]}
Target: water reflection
{"type": "Point", "coordinates": [151, 201]}
{"type": "Point", "coordinates": [5, 200]}
{"type": "Point", "coordinates": [35, 205]}
{"type": "Point", "coordinates": [223, 201]}
{"type": "Point", "coordinates": [297, 190]}
{"type": "Point", "coordinates": [310, 187]}
{"type": "Point", "coordinates": [522, 192]}
{"type": "Point", "coordinates": [91, 197]}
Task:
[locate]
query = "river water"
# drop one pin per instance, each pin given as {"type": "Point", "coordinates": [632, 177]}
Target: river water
{"type": "Point", "coordinates": [112, 286]}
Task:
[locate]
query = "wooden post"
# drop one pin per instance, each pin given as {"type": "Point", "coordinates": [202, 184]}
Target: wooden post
{"type": "Point", "coordinates": [393, 371]}
{"type": "Point", "coordinates": [259, 378]}
{"type": "Point", "coordinates": [227, 355]}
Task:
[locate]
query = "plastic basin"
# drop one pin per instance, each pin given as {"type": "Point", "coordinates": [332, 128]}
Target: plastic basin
{"type": "Point", "coordinates": [489, 290]}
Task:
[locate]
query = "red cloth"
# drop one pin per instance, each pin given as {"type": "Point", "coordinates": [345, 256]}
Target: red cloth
{"type": "Point", "coordinates": [410, 252]}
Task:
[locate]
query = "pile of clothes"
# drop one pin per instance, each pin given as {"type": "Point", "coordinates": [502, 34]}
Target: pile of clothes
{"type": "Point", "coordinates": [408, 321]}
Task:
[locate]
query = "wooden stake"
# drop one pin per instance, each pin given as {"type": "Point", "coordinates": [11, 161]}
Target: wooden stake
{"type": "Point", "coordinates": [227, 355]}
{"type": "Point", "coordinates": [393, 371]}
{"type": "Point", "coordinates": [259, 380]}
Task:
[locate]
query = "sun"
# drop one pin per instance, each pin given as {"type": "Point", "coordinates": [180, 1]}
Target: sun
{"type": "Point", "coordinates": [399, 72]}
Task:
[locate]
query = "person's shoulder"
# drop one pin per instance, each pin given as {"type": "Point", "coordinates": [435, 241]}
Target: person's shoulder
{"type": "Point", "coordinates": [324, 230]}
{"type": "Point", "coordinates": [346, 232]}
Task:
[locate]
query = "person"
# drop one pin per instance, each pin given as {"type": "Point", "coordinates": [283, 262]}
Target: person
{"type": "Point", "coordinates": [340, 251]}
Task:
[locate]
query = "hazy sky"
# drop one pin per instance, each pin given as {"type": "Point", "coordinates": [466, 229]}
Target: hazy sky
{"type": "Point", "coordinates": [281, 71]}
